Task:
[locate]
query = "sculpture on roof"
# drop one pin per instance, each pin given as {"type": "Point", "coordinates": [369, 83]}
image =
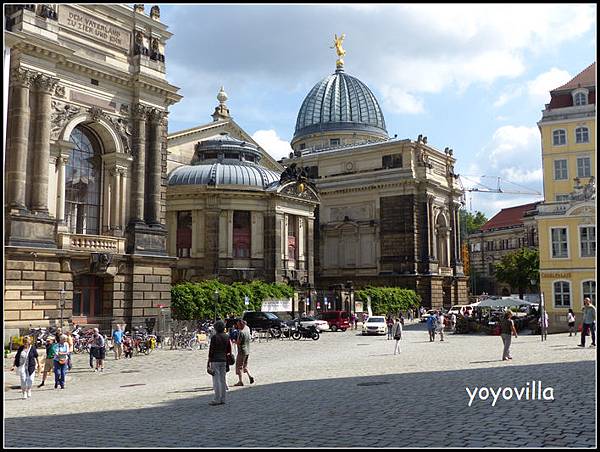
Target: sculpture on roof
{"type": "Point", "coordinates": [337, 43]}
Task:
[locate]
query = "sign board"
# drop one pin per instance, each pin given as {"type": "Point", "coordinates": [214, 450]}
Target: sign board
{"type": "Point", "coordinates": [246, 300]}
{"type": "Point", "coordinates": [358, 306]}
{"type": "Point", "coordinates": [276, 305]}
{"type": "Point", "coordinates": [94, 27]}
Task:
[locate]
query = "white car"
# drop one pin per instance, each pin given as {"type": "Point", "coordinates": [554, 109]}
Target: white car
{"type": "Point", "coordinates": [306, 321]}
{"type": "Point", "coordinates": [375, 325]}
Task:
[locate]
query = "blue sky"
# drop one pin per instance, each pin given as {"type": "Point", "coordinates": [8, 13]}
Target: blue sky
{"type": "Point", "coordinates": [471, 77]}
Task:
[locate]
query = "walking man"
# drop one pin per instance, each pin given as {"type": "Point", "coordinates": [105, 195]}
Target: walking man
{"type": "Point", "coordinates": [118, 341]}
{"type": "Point", "coordinates": [440, 324]}
{"type": "Point", "coordinates": [243, 346]}
{"type": "Point", "coordinates": [49, 363]}
{"type": "Point", "coordinates": [507, 330]}
{"type": "Point", "coordinates": [397, 332]}
{"type": "Point", "coordinates": [431, 320]}
{"type": "Point", "coordinates": [589, 322]}
{"type": "Point", "coordinates": [390, 326]}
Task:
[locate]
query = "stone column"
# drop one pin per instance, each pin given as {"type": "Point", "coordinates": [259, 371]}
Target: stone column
{"type": "Point", "coordinates": [155, 170]}
{"type": "Point", "coordinates": [45, 85]}
{"type": "Point", "coordinates": [18, 138]}
{"type": "Point", "coordinates": [139, 167]}
{"type": "Point", "coordinates": [61, 162]}
{"type": "Point", "coordinates": [116, 211]}
{"type": "Point", "coordinates": [310, 252]}
{"type": "Point", "coordinates": [430, 227]}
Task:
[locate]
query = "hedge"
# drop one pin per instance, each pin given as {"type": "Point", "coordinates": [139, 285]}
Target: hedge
{"type": "Point", "coordinates": [390, 300]}
{"type": "Point", "coordinates": [195, 301]}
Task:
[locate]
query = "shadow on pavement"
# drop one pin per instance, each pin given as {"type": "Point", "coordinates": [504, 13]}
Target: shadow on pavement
{"type": "Point", "coordinates": [427, 409]}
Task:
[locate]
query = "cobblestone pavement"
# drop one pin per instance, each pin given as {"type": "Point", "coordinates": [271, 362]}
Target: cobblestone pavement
{"type": "Point", "coordinates": [344, 390]}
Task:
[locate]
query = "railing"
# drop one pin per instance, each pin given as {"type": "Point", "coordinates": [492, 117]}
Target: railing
{"type": "Point", "coordinates": [95, 243]}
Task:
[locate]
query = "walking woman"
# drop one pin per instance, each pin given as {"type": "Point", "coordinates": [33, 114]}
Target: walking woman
{"type": "Point", "coordinates": [219, 349]}
{"type": "Point", "coordinates": [508, 329]}
{"type": "Point", "coordinates": [26, 361]}
{"type": "Point", "coordinates": [397, 332]}
{"type": "Point", "coordinates": [571, 320]}
{"type": "Point", "coordinates": [61, 362]}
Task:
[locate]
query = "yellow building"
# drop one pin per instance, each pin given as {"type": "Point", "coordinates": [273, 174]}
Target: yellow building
{"type": "Point", "coordinates": [567, 217]}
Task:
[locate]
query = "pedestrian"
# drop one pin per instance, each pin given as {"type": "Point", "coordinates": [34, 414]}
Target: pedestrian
{"type": "Point", "coordinates": [60, 362]}
{"type": "Point", "coordinates": [544, 325]}
{"type": "Point", "coordinates": [410, 315]}
{"type": "Point", "coordinates": [128, 346]}
{"type": "Point", "coordinates": [571, 321]}
{"type": "Point", "coordinates": [353, 320]}
{"type": "Point", "coordinates": [589, 322]}
{"type": "Point", "coordinates": [453, 322]}
{"type": "Point", "coordinates": [58, 334]}
{"type": "Point", "coordinates": [507, 331]}
{"type": "Point", "coordinates": [51, 347]}
{"type": "Point", "coordinates": [219, 349]}
{"type": "Point", "coordinates": [26, 361]}
{"type": "Point", "coordinates": [233, 333]}
{"type": "Point", "coordinates": [440, 324]}
{"type": "Point", "coordinates": [117, 336]}
{"type": "Point", "coordinates": [397, 332]}
{"type": "Point", "coordinates": [431, 324]}
{"type": "Point", "coordinates": [71, 343]}
{"type": "Point", "coordinates": [98, 350]}
{"type": "Point", "coordinates": [390, 324]}
{"type": "Point", "coordinates": [243, 352]}
{"type": "Point", "coordinates": [421, 311]}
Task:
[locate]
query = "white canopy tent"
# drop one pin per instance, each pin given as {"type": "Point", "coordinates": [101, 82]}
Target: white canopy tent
{"type": "Point", "coordinates": [504, 302]}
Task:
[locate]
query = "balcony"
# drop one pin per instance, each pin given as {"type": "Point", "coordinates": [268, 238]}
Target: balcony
{"type": "Point", "coordinates": [91, 243]}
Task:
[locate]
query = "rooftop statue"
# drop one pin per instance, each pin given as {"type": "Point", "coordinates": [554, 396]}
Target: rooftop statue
{"type": "Point", "coordinates": [337, 43]}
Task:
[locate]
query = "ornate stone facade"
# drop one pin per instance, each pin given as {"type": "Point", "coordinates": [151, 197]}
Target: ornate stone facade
{"type": "Point", "coordinates": [85, 168]}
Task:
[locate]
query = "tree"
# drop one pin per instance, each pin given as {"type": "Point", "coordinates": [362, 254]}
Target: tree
{"type": "Point", "coordinates": [472, 222]}
{"type": "Point", "coordinates": [386, 300]}
{"type": "Point", "coordinates": [518, 269]}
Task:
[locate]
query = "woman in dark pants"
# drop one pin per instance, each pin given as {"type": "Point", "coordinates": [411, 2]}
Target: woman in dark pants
{"type": "Point", "coordinates": [219, 348]}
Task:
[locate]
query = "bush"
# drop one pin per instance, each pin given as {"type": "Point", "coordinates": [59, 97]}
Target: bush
{"type": "Point", "coordinates": [195, 301]}
{"type": "Point", "coordinates": [386, 300]}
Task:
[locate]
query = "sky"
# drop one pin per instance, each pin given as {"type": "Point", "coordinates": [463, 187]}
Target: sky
{"type": "Point", "coordinates": [471, 77]}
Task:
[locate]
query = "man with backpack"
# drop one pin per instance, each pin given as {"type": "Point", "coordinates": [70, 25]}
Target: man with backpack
{"type": "Point", "coordinates": [431, 324]}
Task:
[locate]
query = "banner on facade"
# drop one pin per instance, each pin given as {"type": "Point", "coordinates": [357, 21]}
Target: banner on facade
{"type": "Point", "coordinates": [276, 305]}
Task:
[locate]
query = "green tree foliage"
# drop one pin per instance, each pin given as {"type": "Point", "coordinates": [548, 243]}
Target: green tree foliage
{"type": "Point", "coordinates": [472, 222]}
{"type": "Point", "coordinates": [386, 300]}
{"type": "Point", "coordinates": [196, 301]}
{"type": "Point", "coordinates": [518, 269]}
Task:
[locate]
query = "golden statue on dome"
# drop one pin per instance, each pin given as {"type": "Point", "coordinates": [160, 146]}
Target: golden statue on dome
{"type": "Point", "coordinates": [337, 43]}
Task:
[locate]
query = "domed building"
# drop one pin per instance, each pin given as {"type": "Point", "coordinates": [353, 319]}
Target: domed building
{"type": "Point", "coordinates": [234, 213]}
{"type": "Point", "coordinates": [339, 110]}
{"type": "Point", "coordinates": [389, 207]}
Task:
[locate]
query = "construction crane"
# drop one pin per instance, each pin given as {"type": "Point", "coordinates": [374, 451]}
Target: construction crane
{"type": "Point", "coordinates": [487, 189]}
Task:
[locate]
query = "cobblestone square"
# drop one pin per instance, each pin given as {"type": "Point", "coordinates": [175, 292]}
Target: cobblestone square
{"type": "Point", "coordinates": [344, 390]}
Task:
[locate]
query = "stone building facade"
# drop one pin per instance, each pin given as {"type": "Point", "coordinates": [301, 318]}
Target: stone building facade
{"type": "Point", "coordinates": [389, 207]}
{"type": "Point", "coordinates": [233, 213]}
{"type": "Point", "coordinates": [85, 165]}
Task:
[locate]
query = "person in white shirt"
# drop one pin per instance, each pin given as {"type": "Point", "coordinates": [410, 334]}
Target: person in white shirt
{"type": "Point", "coordinates": [397, 334]}
{"type": "Point", "coordinates": [453, 320]}
{"type": "Point", "coordinates": [440, 325]}
{"type": "Point", "coordinates": [571, 321]}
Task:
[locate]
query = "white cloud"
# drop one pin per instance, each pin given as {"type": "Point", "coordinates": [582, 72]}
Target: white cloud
{"type": "Point", "coordinates": [272, 143]}
{"type": "Point", "coordinates": [540, 87]}
{"type": "Point", "coordinates": [396, 100]}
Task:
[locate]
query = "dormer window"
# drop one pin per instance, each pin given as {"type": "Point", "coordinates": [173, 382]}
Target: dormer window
{"type": "Point", "coordinates": [580, 97]}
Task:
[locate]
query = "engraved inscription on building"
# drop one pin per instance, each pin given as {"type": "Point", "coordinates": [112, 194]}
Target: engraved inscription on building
{"type": "Point", "coordinates": [94, 27]}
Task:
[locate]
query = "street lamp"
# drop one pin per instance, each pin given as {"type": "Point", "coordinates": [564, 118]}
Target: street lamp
{"type": "Point", "coordinates": [216, 298]}
{"type": "Point", "coordinates": [62, 306]}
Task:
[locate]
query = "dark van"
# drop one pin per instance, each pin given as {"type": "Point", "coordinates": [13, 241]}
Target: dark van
{"type": "Point", "coordinates": [338, 320]}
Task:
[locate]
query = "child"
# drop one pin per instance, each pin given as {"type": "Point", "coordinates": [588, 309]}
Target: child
{"type": "Point", "coordinates": [127, 347]}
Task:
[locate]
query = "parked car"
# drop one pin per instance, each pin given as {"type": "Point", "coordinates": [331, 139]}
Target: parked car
{"type": "Point", "coordinates": [337, 320]}
{"type": "Point", "coordinates": [375, 325]}
{"type": "Point", "coordinates": [307, 321]}
{"type": "Point", "coordinates": [428, 314]}
{"type": "Point", "coordinates": [257, 320]}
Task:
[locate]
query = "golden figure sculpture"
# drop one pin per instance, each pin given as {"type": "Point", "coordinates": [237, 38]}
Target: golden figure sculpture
{"type": "Point", "coordinates": [337, 43]}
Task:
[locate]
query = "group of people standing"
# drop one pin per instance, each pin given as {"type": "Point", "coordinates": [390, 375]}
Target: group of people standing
{"type": "Point", "coordinates": [436, 324]}
{"type": "Point", "coordinates": [221, 357]}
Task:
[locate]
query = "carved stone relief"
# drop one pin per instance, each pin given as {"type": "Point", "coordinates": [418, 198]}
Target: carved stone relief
{"type": "Point", "coordinates": [61, 114]}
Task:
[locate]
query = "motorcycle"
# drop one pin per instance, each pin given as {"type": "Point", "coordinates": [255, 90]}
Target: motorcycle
{"type": "Point", "coordinates": [309, 332]}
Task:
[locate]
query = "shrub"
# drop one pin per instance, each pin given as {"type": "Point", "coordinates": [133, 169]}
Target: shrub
{"type": "Point", "coordinates": [386, 300]}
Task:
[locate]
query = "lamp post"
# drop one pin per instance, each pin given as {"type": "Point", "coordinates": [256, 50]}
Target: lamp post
{"type": "Point", "coordinates": [216, 298]}
{"type": "Point", "coordinates": [62, 306]}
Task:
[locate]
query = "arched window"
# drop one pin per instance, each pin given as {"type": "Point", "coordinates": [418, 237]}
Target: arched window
{"type": "Point", "coordinates": [83, 182]}
{"type": "Point", "coordinates": [580, 99]}
{"type": "Point", "coordinates": [241, 233]}
{"type": "Point", "coordinates": [582, 135]}
{"type": "Point", "coordinates": [562, 294]}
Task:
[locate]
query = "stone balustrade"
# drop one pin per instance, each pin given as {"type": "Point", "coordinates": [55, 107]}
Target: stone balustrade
{"type": "Point", "coordinates": [92, 243]}
{"type": "Point", "coordinates": [445, 271]}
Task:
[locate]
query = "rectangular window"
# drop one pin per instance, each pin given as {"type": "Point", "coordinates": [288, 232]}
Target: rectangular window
{"type": "Point", "coordinates": [241, 233]}
{"type": "Point", "coordinates": [560, 170]}
{"type": "Point", "coordinates": [292, 239]}
{"type": "Point", "coordinates": [184, 233]}
{"type": "Point", "coordinates": [334, 142]}
{"type": "Point", "coordinates": [560, 245]}
{"type": "Point", "coordinates": [562, 198]}
{"type": "Point", "coordinates": [312, 172]}
{"type": "Point", "coordinates": [584, 167]}
{"type": "Point", "coordinates": [562, 294]}
{"type": "Point", "coordinates": [302, 146]}
{"type": "Point", "coordinates": [559, 137]}
{"type": "Point", "coordinates": [587, 240]}
{"type": "Point", "coordinates": [582, 135]}
{"type": "Point", "coordinates": [589, 290]}
{"type": "Point", "coordinates": [391, 161]}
